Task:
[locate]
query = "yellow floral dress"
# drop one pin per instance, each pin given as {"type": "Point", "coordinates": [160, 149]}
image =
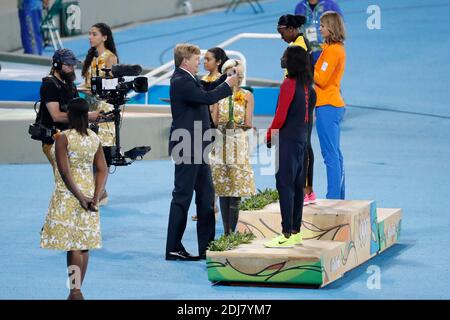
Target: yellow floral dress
{"type": "Point", "coordinates": [67, 225]}
{"type": "Point", "coordinates": [106, 130]}
{"type": "Point", "coordinates": [230, 158]}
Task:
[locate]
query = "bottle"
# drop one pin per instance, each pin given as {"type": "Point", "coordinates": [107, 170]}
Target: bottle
{"type": "Point", "coordinates": [230, 123]}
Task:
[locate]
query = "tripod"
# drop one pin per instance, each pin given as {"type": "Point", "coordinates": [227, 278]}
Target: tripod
{"type": "Point", "coordinates": [112, 154]}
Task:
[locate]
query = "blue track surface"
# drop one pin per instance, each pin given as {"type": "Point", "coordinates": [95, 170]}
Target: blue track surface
{"type": "Point", "coordinates": [395, 141]}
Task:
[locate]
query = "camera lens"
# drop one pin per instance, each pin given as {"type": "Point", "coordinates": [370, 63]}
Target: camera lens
{"type": "Point", "coordinates": [141, 84]}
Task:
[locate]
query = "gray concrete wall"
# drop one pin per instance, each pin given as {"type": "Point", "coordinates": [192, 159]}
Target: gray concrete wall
{"type": "Point", "coordinates": [140, 127]}
{"type": "Point", "coordinates": [9, 26]}
{"type": "Point", "coordinates": [113, 12]}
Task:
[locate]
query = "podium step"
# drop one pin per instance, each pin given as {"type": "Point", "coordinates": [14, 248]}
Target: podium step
{"type": "Point", "coordinates": [339, 235]}
{"type": "Point", "coordinates": [315, 262]}
{"type": "Point", "coordinates": [351, 221]}
{"type": "Point", "coordinates": [389, 227]}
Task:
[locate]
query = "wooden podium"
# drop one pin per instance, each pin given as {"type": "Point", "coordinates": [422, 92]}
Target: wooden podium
{"type": "Point", "coordinates": [338, 235]}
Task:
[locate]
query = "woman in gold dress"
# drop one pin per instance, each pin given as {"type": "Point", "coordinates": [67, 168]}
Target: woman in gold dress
{"type": "Point", "coordinates": [230, 158]}
{"type": "Point", "coordinates": [73, 220]}
{"type": "Point", "coordinates": [213, 62]}
{"type": "Point", "coordinates": [101, 55]}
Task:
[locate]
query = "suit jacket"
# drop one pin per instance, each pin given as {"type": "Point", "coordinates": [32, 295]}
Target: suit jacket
{"type": "Point", "coordinates": [189, 102]}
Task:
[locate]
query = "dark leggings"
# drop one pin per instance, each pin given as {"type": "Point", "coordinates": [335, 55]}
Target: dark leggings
{"type": "Point", "coordinates": [229, 207]}
{"type": "Point", "coordinates": [308, 162]}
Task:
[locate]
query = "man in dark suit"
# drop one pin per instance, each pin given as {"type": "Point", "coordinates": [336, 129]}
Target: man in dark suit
{"type": "Point", "coordinates": [191, 119]}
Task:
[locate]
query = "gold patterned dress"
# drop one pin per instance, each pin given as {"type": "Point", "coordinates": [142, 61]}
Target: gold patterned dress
{"type": "Point", "coordinates": [211, 78]}
{"type": "Point", "coordinates": [106, 130]}
{"type": "Point", "coordinates": [230, 157]}
{"type": "Point", "coordinates": [68, 226]}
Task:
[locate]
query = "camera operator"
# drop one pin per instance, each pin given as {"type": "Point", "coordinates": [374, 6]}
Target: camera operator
{"type": "Point", "coordinates": [57, 90]}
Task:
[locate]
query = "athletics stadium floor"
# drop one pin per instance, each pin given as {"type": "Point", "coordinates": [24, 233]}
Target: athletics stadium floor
{"type": "Point", "coordinates": [395, 140]}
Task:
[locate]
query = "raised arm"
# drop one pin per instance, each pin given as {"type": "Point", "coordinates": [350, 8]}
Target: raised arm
{"type": "Point", "coordinates": [196, 94]}
{"type": "Point", "coordinates": [212, 85]}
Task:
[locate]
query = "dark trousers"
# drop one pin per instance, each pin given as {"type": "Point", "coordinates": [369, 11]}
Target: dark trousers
{"type": "Point", "coordinates": [190, 178]}
{"type": "Point", "coordinates": [229, 207]}
{"type": "Point", "coordinates": [290, 183]}
{"type": "Point", "coordinates": [308, 163]}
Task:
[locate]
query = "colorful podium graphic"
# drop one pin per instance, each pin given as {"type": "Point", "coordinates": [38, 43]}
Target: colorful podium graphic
{"type": "Point", "coordinates": [338, 235]}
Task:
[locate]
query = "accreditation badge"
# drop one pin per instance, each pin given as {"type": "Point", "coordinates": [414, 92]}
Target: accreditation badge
{"type": "Point", "coordinates": [311, 34]}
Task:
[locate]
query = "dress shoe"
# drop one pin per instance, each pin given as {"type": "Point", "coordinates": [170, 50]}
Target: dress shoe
{"type": "Point", "coordinates": [181, 256]}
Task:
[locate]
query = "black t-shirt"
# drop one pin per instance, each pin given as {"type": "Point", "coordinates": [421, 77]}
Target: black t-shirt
{"type": "Point", "coordinates": [51, 93]}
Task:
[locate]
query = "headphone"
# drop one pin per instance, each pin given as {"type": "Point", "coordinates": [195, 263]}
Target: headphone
{"type": "Point", "coordinates": [57, 63]}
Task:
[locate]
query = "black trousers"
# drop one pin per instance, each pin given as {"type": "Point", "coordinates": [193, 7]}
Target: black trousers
{"type": "Point", "coordinates": [290, 183]}
{"type": "Point", "coordinates": [308, 162]}
{"type": "Point", "coordinates": [190, 178]}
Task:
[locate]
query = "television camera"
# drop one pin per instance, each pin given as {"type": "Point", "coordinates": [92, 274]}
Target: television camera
{"type": "Point", "coordinates": [113, 88]}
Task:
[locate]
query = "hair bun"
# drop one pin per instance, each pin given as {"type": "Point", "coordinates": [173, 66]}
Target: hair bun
{"type": "Point", "coordinates": [300, 20]}
{"type": "Point", "coordinates": [290, 20]}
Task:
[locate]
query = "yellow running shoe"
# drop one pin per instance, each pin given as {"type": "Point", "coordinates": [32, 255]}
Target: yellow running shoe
{"type": "Point", "coordinates": [280, 242]}
{"type": "Point", "coordinates": [297, 238]}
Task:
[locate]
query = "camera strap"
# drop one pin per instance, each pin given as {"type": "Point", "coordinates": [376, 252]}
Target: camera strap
{"type": "Point", "coordinates": [38, 102]}
{"type": "Point", "coordinates": [37, 111]}
{"type": "Point", "coordinates": [60, 89]}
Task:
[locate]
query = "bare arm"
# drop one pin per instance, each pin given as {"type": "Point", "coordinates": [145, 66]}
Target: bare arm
{"type": "Point", "coordinates": [250, 108]}
{"type": "Point", "coordinates": [57, 115]}
{"type": "Point", "coordinates": [110, 61]}
{"type": "Point", "coordinates": [100, 176]}
{"type": "Point", "coordinates": [214, 109]}
{"type": "Point", "coordinates": [62, 117]}
{"type": "Point", "coordinates": [62, 162]}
